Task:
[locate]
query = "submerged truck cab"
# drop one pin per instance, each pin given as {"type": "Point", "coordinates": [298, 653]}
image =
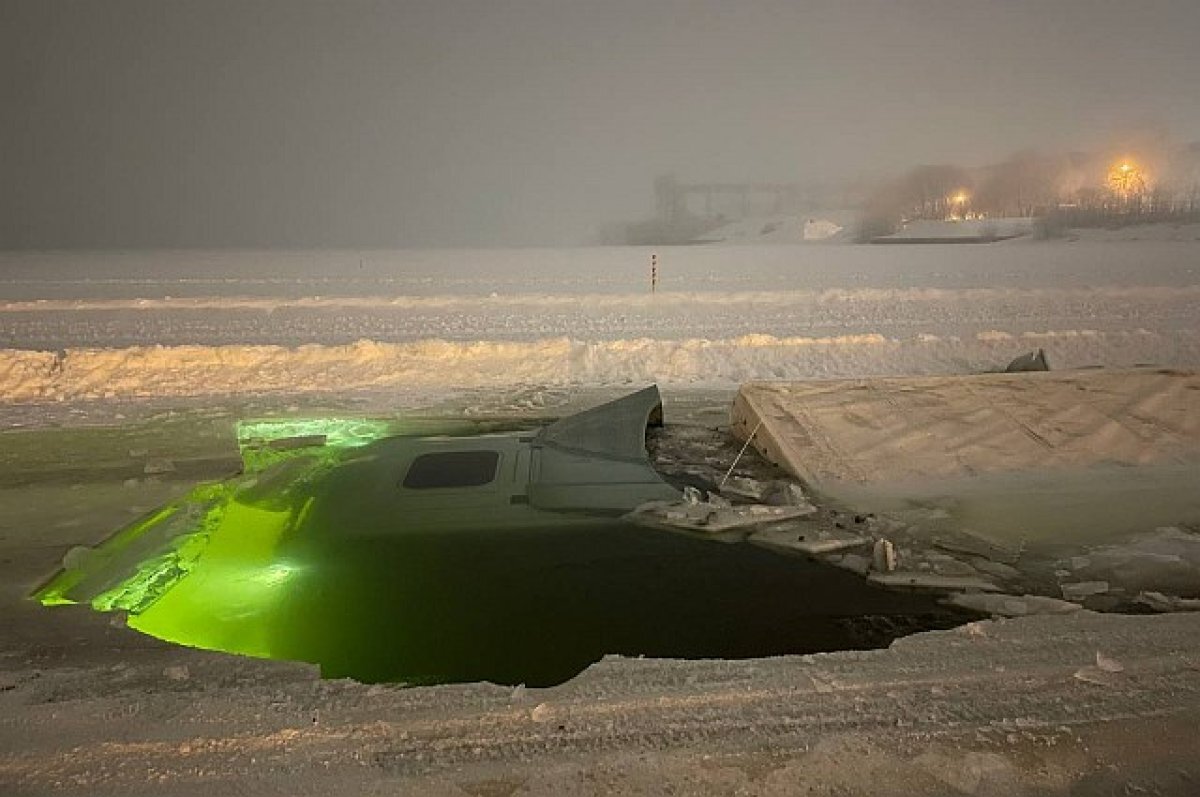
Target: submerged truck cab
{"type": "Point", "coordinates": [588, 467]}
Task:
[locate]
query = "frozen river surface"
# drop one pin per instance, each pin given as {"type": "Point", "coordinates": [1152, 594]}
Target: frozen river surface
{"type": "Point", "coordinates": [92, 325]}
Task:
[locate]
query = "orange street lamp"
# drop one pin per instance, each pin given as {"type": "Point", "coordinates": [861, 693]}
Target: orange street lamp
{"type": "Point", "coordinates": [1126, 180]}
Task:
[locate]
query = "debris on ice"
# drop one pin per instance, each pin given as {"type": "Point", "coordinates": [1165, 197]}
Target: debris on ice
{"type": "Point", "coordinates": [1030, 361]}
{"type": "Point", "coordinates": [1107, 671]}
{"type": "Point", "coordinates": [884, 557]}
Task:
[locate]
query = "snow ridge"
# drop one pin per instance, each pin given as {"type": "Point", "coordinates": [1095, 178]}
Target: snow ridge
{"type": "Point", "coordinates": [140, 371]}
{"type": "Point", "coordinates": [609, 301]}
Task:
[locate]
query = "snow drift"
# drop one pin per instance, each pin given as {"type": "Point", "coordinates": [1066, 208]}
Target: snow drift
{"type": "Point", "coordinates": [89, 373]}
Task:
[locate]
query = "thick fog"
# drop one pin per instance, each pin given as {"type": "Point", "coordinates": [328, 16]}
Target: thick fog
{"type": "Point", "coordinates": [367, 124]}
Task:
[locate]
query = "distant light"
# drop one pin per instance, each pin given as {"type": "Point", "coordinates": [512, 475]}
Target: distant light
{"type": "Point", "coordinates": [1126, 180]}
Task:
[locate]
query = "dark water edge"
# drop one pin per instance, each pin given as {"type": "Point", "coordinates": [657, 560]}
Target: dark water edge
{"type": "Point", "coordinates": [539, 607]}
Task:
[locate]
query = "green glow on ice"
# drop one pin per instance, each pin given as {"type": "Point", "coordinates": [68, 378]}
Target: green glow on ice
{"type": "Point", "coordinates": [338, 432]}
{"type": "Point", "coordinates": [204, 570]}
{"type": "Point", "coordinates": [222, 604]}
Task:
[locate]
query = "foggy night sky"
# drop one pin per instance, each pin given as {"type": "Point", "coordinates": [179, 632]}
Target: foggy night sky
{"type": "Point", "coordinates": [452, 122]}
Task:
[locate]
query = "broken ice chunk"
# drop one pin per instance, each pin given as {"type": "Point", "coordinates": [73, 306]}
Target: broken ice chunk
{"type": "Point", "coordinates": [1079, 590]}
{"type": "Point", "coordinates": [804, 539]}
{"type": "Point", "coordinates": [932, 581]}
{"type": "Point", "coordinates": [1160, 602]}
{"type": "Point", "coordinates": [717, 500]}
{"type": "Point", "coordinates": [709, 519]}
{"type": "Point", "coordinates": [743, 487]}
{"type": "Point", "coordinates": [1011, 605]}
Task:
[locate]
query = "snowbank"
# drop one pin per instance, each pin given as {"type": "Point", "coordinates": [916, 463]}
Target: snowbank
{"type": "Point", "coordinates": [88, 373]}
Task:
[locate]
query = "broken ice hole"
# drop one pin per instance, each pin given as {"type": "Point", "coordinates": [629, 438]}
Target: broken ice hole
{"type": "Point", "coordinates": [313, 558]}
{"type": "Point", "coordinates": [534, 606]}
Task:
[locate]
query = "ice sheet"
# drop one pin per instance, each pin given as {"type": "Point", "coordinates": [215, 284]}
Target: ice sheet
{"type": "Point", "coordinates": [77, 326]}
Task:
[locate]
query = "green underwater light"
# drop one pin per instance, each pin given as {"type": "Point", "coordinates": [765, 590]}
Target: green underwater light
{"type": "Point", "coordinates": [223, 566]}
{"type": "Point", "coordinates": [204, 570]}
{"type": "Point", "coordinates": [225, 599]}
{"type": "Point", "coordinates": [212, 585]}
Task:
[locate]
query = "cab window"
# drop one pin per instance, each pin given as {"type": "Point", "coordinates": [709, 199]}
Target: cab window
{"type": "Point", "coordinates": [452, 469]}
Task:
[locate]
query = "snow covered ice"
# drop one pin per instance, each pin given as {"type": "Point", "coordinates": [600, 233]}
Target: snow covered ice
{"type": "Point", "coordinates": [86, 326]}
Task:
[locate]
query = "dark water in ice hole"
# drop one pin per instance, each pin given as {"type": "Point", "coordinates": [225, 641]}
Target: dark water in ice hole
{"type": "Point", "coordinates": [537, 607]}
{"type": "Point", "coordinates": [360, 589]}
